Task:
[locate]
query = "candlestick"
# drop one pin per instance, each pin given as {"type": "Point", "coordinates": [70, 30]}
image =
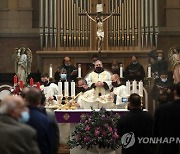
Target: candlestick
{"type": "Point", "coordinates": [50, 71]}
{"type": "Point", "coordinates": [15, 80]}
{"type": "Point", "coordinates": [149, 71]}
{"type": "Point", "coordinates": [128, 88]}
{"type": "Point", "coordinates": [79, 70]}
{"type": "Point", "coordinates": [21, 85]}
{"type": "Point", "coordinates": [60, 88]}
{"type": "Point", "coordinates": [66, 89]}
{"type": "Point", "coordinates": [134, 89]}
{"type": "Point", "coordinates": [31, 82]}
{"type": "Point", "coordinates": [141, 88]}
{"type": "Point", "coordinates": [72, 89]}
{"type": "Point", "coordinates": [38, 85]}
{"type": "Point", "coordinates": [121, 71]}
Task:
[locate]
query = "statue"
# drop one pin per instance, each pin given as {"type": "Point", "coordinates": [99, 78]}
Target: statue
{"type": "Point", "coordinates": [23, 58]}
{"type": "Point", "coordinates": [99, 21]}
{"type": "Point", "coordinates": [174, 57]}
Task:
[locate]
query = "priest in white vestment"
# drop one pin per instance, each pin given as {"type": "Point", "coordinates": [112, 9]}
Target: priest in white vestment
{"type": "Point", "coordinates": [50, 89]}
{"type": "Point", "coordinates": [119, 92]}
{"type": "Point", "coordinates": [99, 79]}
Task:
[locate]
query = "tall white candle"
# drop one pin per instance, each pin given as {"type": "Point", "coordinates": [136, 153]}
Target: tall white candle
{"type": "Point", "coordinates": [149, 71]}
{"type": "Point", "coordinates": [121, 71]}
{"type": "Point", "coordinates": [72, 89]}
{"type": "Point", "coordinates": [128, 88]}
{"type": "Point", "coordinates": [60, 88]}
{"type": "Point", "coordinates": [66, 89]}
{"type": "Point", "coordinates": [141, 88]}
{"type": "Point", "coordinates": [134, 89]}
{"type": "Point", "coordinates": [50, 71]}
{"type": "Point", "coordinates": [79, 70]}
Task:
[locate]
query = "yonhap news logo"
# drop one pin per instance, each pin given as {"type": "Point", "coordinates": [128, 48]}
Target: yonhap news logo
{"type": "Point", "coordinates": [128, 140]}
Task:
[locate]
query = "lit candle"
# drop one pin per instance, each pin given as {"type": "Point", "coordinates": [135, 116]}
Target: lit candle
{"type": "Point", "coordinates": [149, 71]}
{"type": "Point", "coordinates": [128, 88]}
{"type": "Point", "coordinates": [72, 89]}
{"type": "Point", "coordinates": [79, 70]}
{"type": "Point", "coordinates": [38, 85]}
{"type": "Point", "coordinates": [121, 71]}
{"type": "Point", "coordinates": [31, 82]}
{"type": "Point", "coordinates": [66, 89]}
{"type": "Point", "coordinates": [141, 88]}
{"type": "Point", "coordinates": [134, 89]}
{"type": "Point", "coordinates": [21, 85]}
{"type": "Point", "coordinates": [15, 80]}
{"type": "Point", "coordinates": [60, 88]}
{"type": "Point", "coordinates": [50, 71]}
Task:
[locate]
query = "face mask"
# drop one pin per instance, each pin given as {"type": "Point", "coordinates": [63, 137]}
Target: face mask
{"type": "Point", "coordinates": [24, 117]}
{"type": "Point", "coordinates": [98, 69]}
{"type": "Point", "coordinates": [67, 64]}
{"type": "Point", "coordinates": [114, 84]}
{"type": "Point", "coordinates": [164, 80]}
{"type": "Point", "coordinates": [159, 58]}
{"type": "Point", "coordinates": [134, 63]}
{"type": "Point", "coordinates": [45, 83]}
{"type": "Point", "coordinates": [80, 89]}
{"type": "Point", "coordinates": [63, 76]}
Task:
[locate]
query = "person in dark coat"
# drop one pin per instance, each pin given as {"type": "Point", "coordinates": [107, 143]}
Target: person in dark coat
{"type": "Point", "coordinates": [166, 123]}
{"type": "Point", "coordinates": [71, 70]}
{"type": "Point", "coordinates": [40, 122]}
{"type": "Point", "coordinates": [16, 137]}
{"type": "Point", "coordinates": [137, 123]}
{"type": "Point", "coordinates": [134, 71]}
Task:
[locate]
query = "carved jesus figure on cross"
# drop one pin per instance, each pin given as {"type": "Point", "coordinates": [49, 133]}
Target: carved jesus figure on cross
{"type": "Point", "coordinates": [99, 21]}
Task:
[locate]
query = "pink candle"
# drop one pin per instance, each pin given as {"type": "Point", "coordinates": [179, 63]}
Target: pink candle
{"type": "Point", "coordinates": [31, 82]}
{"type": "Point", "coordinates": [21, 85]}
{"type": "Point", "coordinates": [15, 80]}
{"type": "Point", "coordinates": [38, 85]}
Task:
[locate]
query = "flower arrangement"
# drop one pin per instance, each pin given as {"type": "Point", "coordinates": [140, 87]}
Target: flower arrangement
{"type": "Point", "coordinates": [98, 129]}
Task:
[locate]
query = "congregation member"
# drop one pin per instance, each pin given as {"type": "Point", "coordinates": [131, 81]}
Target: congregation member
{"type": "Point", "coordinates": [51, 116]}
{"type": "Point", "coordinates": [71, 70]}
{"type": "Point", "coordinates": [49, 89]}
{"type": "Point", "coordinates": [16, 137]}
{"type": "Point", "coordinates": [166, 124]}
{"type": "Point", "coordinates": [40, 122]}
{"type": "Point", "coordinates": [119, 91]}
{"type": "Point", "coordinates": [137, 123]}
{"type": "Point", "coordinates": [162, 85]}
{"type": "Point", "coordinates": [99, 79]}
{"type": "Point", "coordinates": [134, 71]}
{"type": "Point", "coordinates": [94, 59]}
{"type": "Point", "coordinates": [115, 67]}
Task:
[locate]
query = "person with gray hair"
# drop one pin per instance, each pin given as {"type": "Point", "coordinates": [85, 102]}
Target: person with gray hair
{"type": "Point", "coordinates": [16, 137]}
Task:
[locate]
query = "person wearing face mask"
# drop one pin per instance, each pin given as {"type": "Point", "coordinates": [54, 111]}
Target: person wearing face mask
{"type": "Point", "coordinates": [50, 89]}
{"type": "Point", "coordinates": [163, 85]}
{"type": "Point", "coordinates": [71, 71]}
{"type": "Point", "coordinates": [16, 137]}
{"type": "Point", "coordinates": [161, 63]}
{"type": "Point", "coordinates": [134, 71]}
{"type": "Point", "coordinates": [119, 91]}
{"type": "Point", "coordinates": [99, 79]}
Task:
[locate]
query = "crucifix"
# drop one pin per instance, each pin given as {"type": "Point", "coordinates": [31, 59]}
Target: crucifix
{"type": "Point", "coordinates": [99, 20]}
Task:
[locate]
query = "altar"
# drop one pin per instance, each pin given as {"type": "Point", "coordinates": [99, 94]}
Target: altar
{"type": "Point", "coordinates": [73, 117]}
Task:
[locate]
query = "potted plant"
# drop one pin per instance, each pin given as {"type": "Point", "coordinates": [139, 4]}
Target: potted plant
{"type": "Point", "coordinates": [96, 130]}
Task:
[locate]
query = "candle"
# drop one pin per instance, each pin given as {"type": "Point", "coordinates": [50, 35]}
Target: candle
{"type": "Point", "coordinates": [134, 89]}
{"type": "Point", "coordinates": [31, 82]}
{"type": "Point", "coordinates": [128, 88]}
{"type": "Point", "coordinates": [50, 71]}
{"type": "Point", "coordinates": [66, 89]}
{"type": "Point", "coordinates": [72, 89]}
{"type": "Point", "coordinates": [60, 88]}
{"type": "Point", "coordinates": [121, 71]}
{"type": "Point", "coordinates": [79, 70]}
{"type": "Point", "coordinates": [38, 85]}
{"type": "Point", "coordinates": [149, 71]}
{"type": "Point", "coordinates": [15, 80]}
{"type": "Point", "coordinates": [141, 88]}
{"type": "Point", "coordinates": [21, 85]}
